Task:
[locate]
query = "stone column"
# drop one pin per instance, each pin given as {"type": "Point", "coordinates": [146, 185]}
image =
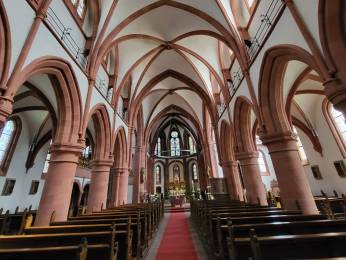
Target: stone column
{"type": "Point", "coordinates": [255, 192]}
{"type": "Point", "coordinates": [137, 175]}
{"type": "Point", "coordinates": [97, 197]}
{"type": "Point", "coordinates": [293, 183]}
{"type": "Point", "coordinates": [114, 200]}
{"type": "Point", "coordinates": [58, 185]}
{"type": "Point", "coordinates": [123, 186]}
{"type": "Point", "coordinates": [234, 186]}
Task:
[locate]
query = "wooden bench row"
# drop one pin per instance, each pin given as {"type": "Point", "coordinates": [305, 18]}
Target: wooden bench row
{"type": "Point", "coordinates": [117, 233]}
{"type": "Point", "coordinates": [233, 230]}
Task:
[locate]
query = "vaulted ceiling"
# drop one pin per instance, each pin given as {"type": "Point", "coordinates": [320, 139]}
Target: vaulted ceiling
{"type": "Point", "coordinates": [168, 53]}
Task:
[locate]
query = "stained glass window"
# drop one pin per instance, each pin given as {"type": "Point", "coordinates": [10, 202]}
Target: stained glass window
{"type": "Point", "coordinates": [175, 144]}
{"type": "Point", "coordinates": [158, 174]}
{"type": "Point", "coordinates": [192, 145]}
{"type": "Point", "coordinates": [6, 139]}
{"type": "Point", "coordinates": [158, 147]}
{"type": "Point", "coordinates": [194, 172]}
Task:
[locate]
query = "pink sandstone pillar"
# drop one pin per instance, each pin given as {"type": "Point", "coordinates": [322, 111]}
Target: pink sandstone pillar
{"type": "Point", "coordinates": [114, 201]}
{"type": "Point", "coordinates": [231, 172]}
{"type": "Point", "coordinates": [137, 174]}
{"type": "Point", "coordinates": [293, 183]}
{"type": "Point", "coordinates": [97, 198]}
{"type": "Point", "coordinates": [123, 186]}
{"type": "Point", "coordinates": [255, 192]}
{"type": "Point", "coordinates": [57, 189]}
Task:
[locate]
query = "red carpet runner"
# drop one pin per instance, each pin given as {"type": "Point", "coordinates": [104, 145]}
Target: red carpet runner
{"type": "Point", "coordinates": [177, 241]}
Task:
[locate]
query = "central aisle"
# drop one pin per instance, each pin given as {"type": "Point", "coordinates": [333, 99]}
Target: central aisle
{"type": "Point", "coordinates": [177, 241]}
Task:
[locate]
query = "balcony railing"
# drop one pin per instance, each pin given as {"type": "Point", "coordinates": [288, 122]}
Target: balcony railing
{"type": "Point", "coordinates": [257, 42]}
{"type": "Point", "coordinates": [64, 34]}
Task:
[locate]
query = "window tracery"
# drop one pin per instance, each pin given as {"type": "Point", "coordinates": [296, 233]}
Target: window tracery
{"type": "Point", "coordinates": [192, 145]}
{"type": "Point", "coordinates": [158, 174]}
{"type": "Point", "coordinates": [158, 147]}
{"type": "Point", "coordinates": [194, 172]}
{"type": "Point", "coordinates": [175, 143]}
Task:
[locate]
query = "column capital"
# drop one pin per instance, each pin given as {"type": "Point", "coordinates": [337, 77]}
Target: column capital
{"type": "Point", "coordinates": [282, 142]}
{"type": "Point", "coordinates": [246, 155]}
{"type": "Point", "coordinates": [229, 164]}
{"type": "Point", "coordinates": [101, 163]}
{"type": "Point", "coordinates": [277, 137]}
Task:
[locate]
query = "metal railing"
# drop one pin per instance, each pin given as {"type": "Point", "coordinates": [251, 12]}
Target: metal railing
{"type": "Point", "coordinates": [101, 85]}
{"type": "Point", "coordinates": [267, 21]}
{"type": "Point", "coordinates": [257, 41]}
{"type": "Point", "coordinates": [64, 33]}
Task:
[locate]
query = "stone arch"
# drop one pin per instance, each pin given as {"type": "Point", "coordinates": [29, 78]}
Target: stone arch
{"type": "Point", "coordinates": [275, 120]}
{"type": "Point", "coordinates": [5, 46]}
{"type": "Point", "coordinates": [332, 28]}
{"type": "Point", "coordinates": [67, 94]}
{"type": "Point", "coordinates": [99, 116]}
{"type": "Point", "coordinates": [120, 148]}
{"type": "Point", "coordinates": [242, 125]}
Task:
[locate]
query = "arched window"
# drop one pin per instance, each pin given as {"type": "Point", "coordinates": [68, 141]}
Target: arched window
{"type": "Point", "coordinates": [80, 7]}
{"type": "Point", "coordinates": [262, 163]}
{"type": "Point", "coordinates": [46, 163]}
{"type": "Point", "coordinates": [175, 144]}
{"type": "Point", "coordinates": [158, 174]}
{"type": "Point", "coordinates": [194, 172]}
{"type": "Point", "coordinates": [339, 120]}
{"type": "Point", "coordinates": [336, 123]}
{"type": "Point", "coordinates": [301, 150]}
{"type": "Point", "coordinates": [192, 145]}
{"type": "Point", "coordinates": [8, 141]}
{"type": "Point", "coordinates": [158, 147]}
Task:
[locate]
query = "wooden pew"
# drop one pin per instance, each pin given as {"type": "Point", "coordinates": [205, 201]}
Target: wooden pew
{"type": "Point", "coordinates": [305, 246]}
{"type": "Point", "coordinates": [101, 245]}
{"type": "Point", "coordinates": [12, 224]}
{"type": "Point", "coordinates": [79, 252]}
{"type": "Point", "coordinates": [232, 232]}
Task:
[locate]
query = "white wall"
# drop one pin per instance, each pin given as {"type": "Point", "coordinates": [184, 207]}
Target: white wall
{"type": "Point", "coordinates": [20, 195]}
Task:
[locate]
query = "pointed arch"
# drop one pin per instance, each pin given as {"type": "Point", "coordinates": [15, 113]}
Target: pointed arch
{"type": "Point", "coordinates": [181, 77]}
{"type": "Point", "coordinates": [67, 94]}
{"type": "Point", "coordinates": [100, 118]}
{"type": "Point", "coordinates": [243, 126]}
{"type": "Point", "coordinates": [332, 29]}
{"type": "Point", "coordinates": [120, 148]}
{"type": "Point", "coordinates": [5, 46]}
{"type": "Point", "coordinates": [271, 86]}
